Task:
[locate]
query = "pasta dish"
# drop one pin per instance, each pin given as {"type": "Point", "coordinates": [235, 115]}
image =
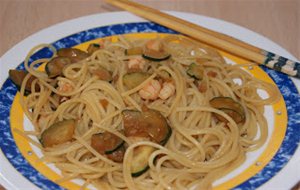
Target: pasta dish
{"type": "Point", "coordinates": [131, 113]}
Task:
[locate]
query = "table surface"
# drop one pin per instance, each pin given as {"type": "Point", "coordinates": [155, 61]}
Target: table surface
{"type": "Point", "coordinates": [278, 20]}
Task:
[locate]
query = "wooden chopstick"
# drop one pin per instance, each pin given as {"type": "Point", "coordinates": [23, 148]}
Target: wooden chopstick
{"type": "Point", "coordinates": [213, 38]}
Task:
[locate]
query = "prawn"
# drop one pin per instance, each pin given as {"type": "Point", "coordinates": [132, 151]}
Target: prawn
{"type": "Point", "coordinates": [167, 90]}
{"type": "Point", "coordinates": [155, 45]}
{"type": "Point", "coordinates": [136, 63]}
{"type": "Point", "coordinates": [151, 90]}
{"type": "Point", "coordinates": [64, 86]}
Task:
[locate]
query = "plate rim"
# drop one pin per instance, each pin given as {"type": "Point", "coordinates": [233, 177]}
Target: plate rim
{"type": "Point", "coordinates": [136, 19]}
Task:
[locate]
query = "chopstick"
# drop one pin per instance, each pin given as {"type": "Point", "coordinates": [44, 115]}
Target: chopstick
{"type": "Point", "coordinates": [218, 40]}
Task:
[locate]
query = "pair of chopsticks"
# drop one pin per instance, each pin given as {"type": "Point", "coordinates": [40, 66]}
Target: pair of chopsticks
{"type": "Point", "coordinates": [213, 38]}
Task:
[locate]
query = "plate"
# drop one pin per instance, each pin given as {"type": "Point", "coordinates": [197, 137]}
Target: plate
{"type": "Point", "coordinates": [279, 169]}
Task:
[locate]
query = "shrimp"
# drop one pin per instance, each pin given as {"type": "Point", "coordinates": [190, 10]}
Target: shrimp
{"type": "Point", "coordinates": [64, 86]}
{"type": "Point", "coordinates": [151, 90]}
{"type": "Point", "coordinates": [154, 44]}
{"type": "Point", "coordinates": [167, 90]}
{"type": "Point", "coordinates": [136, 63]}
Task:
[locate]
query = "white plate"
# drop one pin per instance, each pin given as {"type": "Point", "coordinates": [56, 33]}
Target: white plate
{"type": "Point", "coordinates": [282, 176]}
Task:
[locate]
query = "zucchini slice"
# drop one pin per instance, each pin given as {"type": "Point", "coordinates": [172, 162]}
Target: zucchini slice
{"type": "Point", "coordinates": [134, 51]}
{"type": "Point", "coordinates": [133, 124]}
{"type": "Point", "coordinates": [92, 48]}
{"type": "Point", "coordinates": [117, 155]}
{"type": "Point", "coordinates": [132, 80]}
{"type": "Point", "coordinates": [55, 66]}
{"type": "Point", "coordinates": [149, 124]}
{"type": "Point", "coordinates": [164, 75]}
{"type": "Point", "coordinates": [73, 54]}
{"type": "Point", "coordinates": [106, 143]}
{"type": "Point", "coordinates": [231, 107]}
{"type": "Point", "coordinates": [103, 74]}
{"type": "Point", "coordinates": [165, 140]}
{"type": "Point", "coordinates": [58, 133]}
{"type": "Point", "coordinates": [17, 77]}
{"type": "Point", "coordinates": [236, 116]}
{"type": "Point", "coordinates": [156, 56]}
{"type": "Point", "coordinates": [140, 158]}
{"type": "Point", "coordinates": [158, 128]}
{"type": "Point", "coordinates": [196, 71]}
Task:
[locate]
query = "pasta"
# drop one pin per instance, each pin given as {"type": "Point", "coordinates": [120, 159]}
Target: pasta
{"type": "Point", "coordinates": [172, 101]}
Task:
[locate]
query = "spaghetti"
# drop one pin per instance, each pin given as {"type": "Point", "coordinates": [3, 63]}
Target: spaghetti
{"type": "Point", "coordinates": [171, 101]}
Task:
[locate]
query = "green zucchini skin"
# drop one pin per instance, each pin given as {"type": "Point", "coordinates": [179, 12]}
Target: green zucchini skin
{"type": "Point", "coordinates": [140, 160]}
{"type": "Point", "coordinates": [132, 80]}
{"type": "Point", "coordinates": [137, 174]}
{"type": "Point", "coordinates": [235, 115]}
{"type": "Point", "coordinates": [99, 142]}
{"type": "Point", "coordinates": [115, 149]}
{"type": "Point", "coordinates": [146, 156]}
{"type": "Point", "coordinates": [17, 77]}
{"type": "Point", "coordinates": [55, 66]}
{"type": "Point", "coordinates": [195, 71]}
{"type": "Point", "coordinates": [146, 166]}
{"type": "Point", "coordinates": [92, 48]}
{"type": "Point", "coordinates": [164, 142]}
{"type": "Point", "coordinates": [141, 154]}
{"type": "Point", "coordinates": [156, 59]}
{"type": "Point", "coordinates": [231, 107]}
{"type": "Point", "coordinates": [110, 145]}
{"type": "Point", "coordinates": [58, 133]}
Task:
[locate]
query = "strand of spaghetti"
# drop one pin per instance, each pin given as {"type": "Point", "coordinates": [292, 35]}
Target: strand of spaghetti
{"type": "Point", "coordinates": [91, 168]}
{"type": "Point", "coordinates": [22, 98]}
{"type": "Point", "coordinates": [178, 83]}
{"type": "Point", "coordinates": [65, 105]}
{"type": "Point", "coordinates": [81, 141]}
{"type": "Point", "coordinates": [67, 178]}
{"type": "Point", "coordinates": [201, 148]}
{"type": "Point", "coordinates": [31, 52]}
{"type": "Point", "coordinates": [22, 134]}
{"type": "Point", "coordinates": [87, 83]}
{"type": "Point", "coordinates": [133, 103]}
{"type": "Point", "coordinates": [186, 135]}
{"type": "Point", "coordinates": [273, 97]}
{"type": "Point", "coordinates": [93, 175]}
{"type": "Point", "coordinates": [81, 73]}
{"type": "Point", "coordinates": [221, 84]}
{"type": "Point", "coordinates": [93, 128]}
{"type": "Point", "coordinates": [110, 90]}
{"type": "Point", "coordinates": [116, 182]}
{"type": "Point", "coordinates": [31, 133]}
{"type": "Point", "coordinates": [62, 149]}
{"type": "Point", "coordinates": [113, 131]}
{"type": "Point", "coordinates": [209, 109]}
{"type": "Point", "coordinates": [69, 167]}
{"type": "Point", "coordinates": [43, 98]}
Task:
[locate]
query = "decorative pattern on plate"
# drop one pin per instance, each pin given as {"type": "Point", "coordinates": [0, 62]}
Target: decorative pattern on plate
{"type": "Point", "coordinates": [291, 140]}
{"type": "Point", "coordinates": [8, 91]}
